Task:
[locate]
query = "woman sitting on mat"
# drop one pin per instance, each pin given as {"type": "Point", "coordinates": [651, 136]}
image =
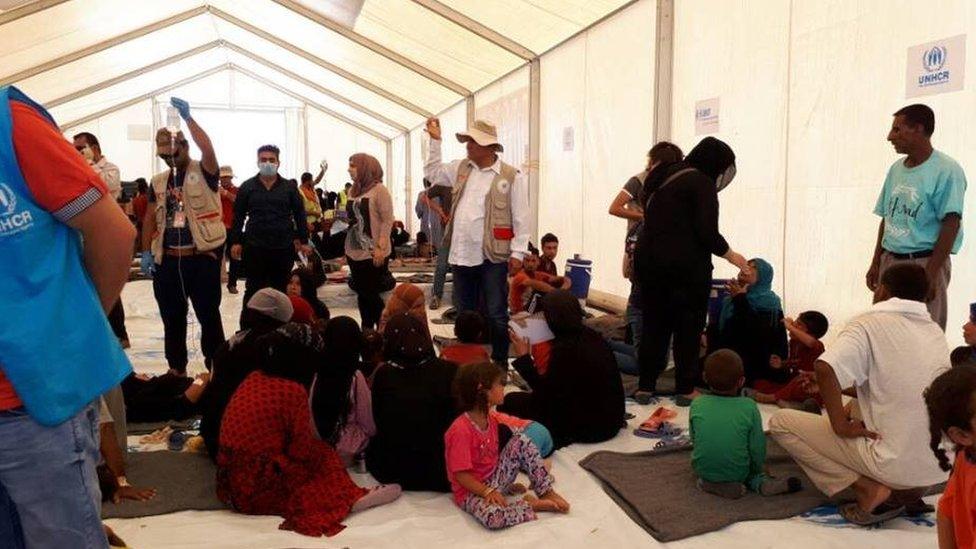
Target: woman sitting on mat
{"type": "Point", "coordinates": [580, 398]}
{"type": "Point", "coordinates": [341, 404]}
{"type": "Point", "coordinates": [269, 461]}
{"type": "Point", "coordinates": [412, 408]}
{"type": "Point", "coordinates": [751, 324]}
{"type": "Point", "coordinates": [406, 298]}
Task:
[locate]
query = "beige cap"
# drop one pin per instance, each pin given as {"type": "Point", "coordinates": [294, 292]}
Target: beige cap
{"type": "Point", "coordinates": [483, 133]}
{"type": "Point", "coordinates": [226, 171]}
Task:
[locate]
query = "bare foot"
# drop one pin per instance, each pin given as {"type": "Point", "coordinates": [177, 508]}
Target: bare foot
{"type": "Point", "coordinates": [516, 488]}
{"type": "Point", "coordinates": [541, 505]}
{"type": "Point", "coordinates": [870, 493]}
{"type": "Point", "coordinates": [561, 504]}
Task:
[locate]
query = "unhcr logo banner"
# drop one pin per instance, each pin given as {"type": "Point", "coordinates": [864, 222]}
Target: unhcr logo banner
{"type": "Point", "coordinates": [936, 67]}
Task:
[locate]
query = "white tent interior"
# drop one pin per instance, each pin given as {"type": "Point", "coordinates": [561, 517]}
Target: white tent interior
{"type": "Point", "coordinates": [579, 90]}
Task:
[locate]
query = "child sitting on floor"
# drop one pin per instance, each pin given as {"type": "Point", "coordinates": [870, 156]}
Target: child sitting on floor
{"type": "Point", "coordinates": [530, 284]}
{"type": "Point", "coordinates": [950, 400]}
{"type": "Point", "coordinates": [484, 457]}
{"type": "Point", "coordinates": [801, 391]}
{"type": "Point", "coordinates": [469, 328]}
{"type": "Point", "coordinates": [729, 451]}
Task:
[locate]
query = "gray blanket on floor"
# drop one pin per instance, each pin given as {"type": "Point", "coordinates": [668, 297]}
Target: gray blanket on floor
{"type": "Point", "coordinates": [658, 491]}
{"type": "Point", "coordinates": [184, 482]}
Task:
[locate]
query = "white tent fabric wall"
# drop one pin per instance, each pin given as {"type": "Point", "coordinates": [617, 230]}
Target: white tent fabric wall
{"type": "Point", "coordinates": [597, 125]}
{"type": "Point", "coordinates": [806, 100]}
{"type": "Point", "coordinates": [738, 53]}
{"type": "Point", "coordinates": [134, 157]}
{"type": "Point", "coordinates": [396, 181]}
{"type": "Point", "coordinates": [329, 138]}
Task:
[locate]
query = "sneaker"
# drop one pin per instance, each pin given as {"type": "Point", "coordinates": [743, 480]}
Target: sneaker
{"type": "Point", "coordinates": [232, 288]}
{"type": "Point", "coordinates": [645, 397]}
{"type": "Point", "coordinates": [435, 303]}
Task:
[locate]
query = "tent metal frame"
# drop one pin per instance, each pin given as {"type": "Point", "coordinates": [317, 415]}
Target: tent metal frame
{"type": "Point", "coordinates": [28, 9]}
{"type": "Point", "coordinates": [477, 28]}
{"type": "Point", "coordinates": [346, 32]}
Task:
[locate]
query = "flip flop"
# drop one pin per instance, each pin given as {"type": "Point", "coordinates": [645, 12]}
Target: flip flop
{"type": "Point", "coordinates": [657, 418]}
{"type": "Point", "coordinates": [855, 515]}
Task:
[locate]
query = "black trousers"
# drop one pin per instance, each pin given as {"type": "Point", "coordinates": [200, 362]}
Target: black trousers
{"type": "Point", "coordinates": [266, 268]}
{"type": "Point", "coordinates": [674, 305]}
{"type": "Point", "coordinates": [367, 281]}
{"type": "Point", "coordinates": [116, 319]}
{"type": "Point", "coordinates": [194, 279]}
{"type": "Point", "coordinates": [233, 268]}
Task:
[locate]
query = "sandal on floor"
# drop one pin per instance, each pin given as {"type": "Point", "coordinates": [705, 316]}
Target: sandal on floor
{"type": "Point", "coordinates": [665, 430]}
{"type": "Point", "coordinates": [855, 515]}
{"type": "Point", "coordinates": [673, 443]}
{"type": "Point", "coordinates": [657, 418]}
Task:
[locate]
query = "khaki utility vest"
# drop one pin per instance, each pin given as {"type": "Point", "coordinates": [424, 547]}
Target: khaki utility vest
{"type": "Point", "coordinates": [201, 205]}
{"type": "Point", "coordinates": [498, 210]}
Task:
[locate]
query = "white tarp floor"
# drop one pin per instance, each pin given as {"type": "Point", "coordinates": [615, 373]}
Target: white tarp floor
{"type": "Point", "coordinates": [427, 520]}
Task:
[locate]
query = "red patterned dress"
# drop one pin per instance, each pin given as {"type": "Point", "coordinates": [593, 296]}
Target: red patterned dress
{"type": "Point", "coordinates": [270, 463]}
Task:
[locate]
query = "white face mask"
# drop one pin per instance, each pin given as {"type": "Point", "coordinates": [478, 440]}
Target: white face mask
{"type": "Point", "coordinates": [88, 153]}
{"type": "Point", "coordinates": [267, 169]}
{"type": "Point", "coordinates": [725, 178]}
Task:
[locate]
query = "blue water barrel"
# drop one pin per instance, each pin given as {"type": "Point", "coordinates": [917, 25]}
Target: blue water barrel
{"type": "Point", "coordinates": [580, 271]}
{"type": "Point", "coordinates": [716, 296]}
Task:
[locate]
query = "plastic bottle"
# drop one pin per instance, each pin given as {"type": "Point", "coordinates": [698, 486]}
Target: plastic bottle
{"type": "Point", "coordinates": [172, 120]}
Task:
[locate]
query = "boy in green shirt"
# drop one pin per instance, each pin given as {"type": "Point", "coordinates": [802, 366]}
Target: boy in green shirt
{"type": "Point", "coordinates": [726, 431]}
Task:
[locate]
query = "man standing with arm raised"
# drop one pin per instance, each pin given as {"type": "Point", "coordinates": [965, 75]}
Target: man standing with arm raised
{"type": "Point", "coordinates": [488, 226]}
{"type": "Point", "coordinates": [183, 236]}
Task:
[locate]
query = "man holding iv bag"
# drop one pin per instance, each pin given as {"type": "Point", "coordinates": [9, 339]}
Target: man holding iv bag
{"type": "Point", "coordinates": [183, 236]}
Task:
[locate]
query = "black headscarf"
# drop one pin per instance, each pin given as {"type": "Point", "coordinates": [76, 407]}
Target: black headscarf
{"type": "Point", "coordinates": [293, 351]}
{"type": "Point", "coordinates": [711, 157]}
{"type": "Point", "coordinates": [563, 313]}
{"type": "Point", "coordinates": [330, 401]}
{"type": "Point", "coordinates": [406, 342]}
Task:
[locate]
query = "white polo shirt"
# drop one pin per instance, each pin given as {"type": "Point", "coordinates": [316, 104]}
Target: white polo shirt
{"type": "Point", "coordinates": [890, 354]}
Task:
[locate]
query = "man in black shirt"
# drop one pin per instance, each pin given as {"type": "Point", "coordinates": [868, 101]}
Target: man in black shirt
{"type": "Point", "coordinates": [276, 228]}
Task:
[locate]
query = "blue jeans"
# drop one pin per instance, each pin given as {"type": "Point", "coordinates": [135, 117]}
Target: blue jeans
{"type": "Point", "coordinates": [440, 273]}
{"type": "Point", "coordinates": [626, 356]}
{"type": "Point", "coordinates": [49, 495]}
{"type": "Point", "coordinates": [485, 288]}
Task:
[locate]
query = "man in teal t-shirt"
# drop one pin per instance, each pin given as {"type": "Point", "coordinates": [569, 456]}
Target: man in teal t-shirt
{"type": "Point", "coordinates": [920, 207]}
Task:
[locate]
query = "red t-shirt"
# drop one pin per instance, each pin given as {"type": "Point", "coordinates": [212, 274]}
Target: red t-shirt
{"type": "Point", "coordinates": [802, 357]}
{"type": "Point", "coordinates": [958, 502]}
{"type": "Point", "coordinates": [227, 206]}
{"type": "Point", "coordinates": [57, 177]}
{"type": "Point", "coordinates": [468, 448]}
{"type": "Point", "coordinates": [465, 353]}
{"type": "Point", "coordinates": [520, 293]}
{"type": "Point", "coordinates": [139, 206]}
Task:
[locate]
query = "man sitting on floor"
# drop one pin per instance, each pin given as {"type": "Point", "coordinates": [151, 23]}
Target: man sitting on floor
{"type": "Point", "coordinates": [878, 445]}
{"type": "Point", "coordinates": [530, 284]}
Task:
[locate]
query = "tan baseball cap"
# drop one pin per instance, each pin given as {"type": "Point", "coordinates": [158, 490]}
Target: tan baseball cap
{"type": "Point", "coordinates": [483, 133]}
{"type": "Point", "coordinates": [226, 171]}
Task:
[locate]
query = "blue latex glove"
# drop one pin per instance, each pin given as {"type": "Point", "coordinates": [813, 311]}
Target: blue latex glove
{"type": "Point", "coordinates": [181, 106]}
{"type": "Point", "coordinates": [146, 263]}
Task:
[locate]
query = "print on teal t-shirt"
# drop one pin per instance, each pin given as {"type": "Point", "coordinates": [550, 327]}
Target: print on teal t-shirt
{"type": "Point", "coordinates": [914, 201]}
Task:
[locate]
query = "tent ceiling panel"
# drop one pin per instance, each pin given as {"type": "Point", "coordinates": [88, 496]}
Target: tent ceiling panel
{"type": "Point", "coordinates": [227, 90]}
{"type": "Point", "coordinates": [121, 59]}
{"type": "Point", "coordinates": [11, 10]}
{"type": "Point", "coordinates": [145, 83]}
{"type": "Point", "coordinates": [254, 67]}
{"type": "Point", "coordinates": [434, 42]}
{"type": "Point", "coordinates": [245, 73]}
{"type": "Point", "coordinates": [316, 73]}
{"type": "Point", "coordinates": [73, 27]}
{"type": "Point", "coordinates": [333, 48]}
{"type": "Point", "coordinates": [537, 24]}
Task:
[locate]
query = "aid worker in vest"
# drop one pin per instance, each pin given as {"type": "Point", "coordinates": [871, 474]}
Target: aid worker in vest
{"type": "Point", "coordinates": [488, 228]}
{"type": "Point", "coordinates": [57, 351]}
{"type": "Point", "coordinates": [183, 236]}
